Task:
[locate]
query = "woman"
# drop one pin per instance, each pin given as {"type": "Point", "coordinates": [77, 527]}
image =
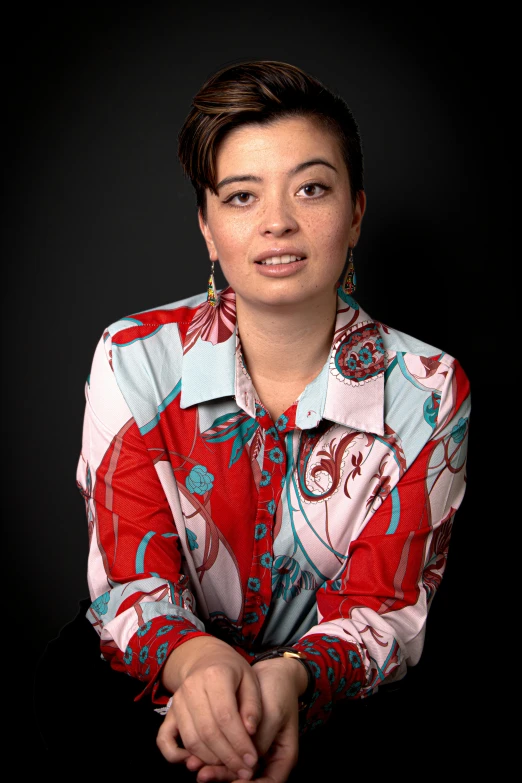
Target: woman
{"type": "Point", "coordinates": [270, 475]}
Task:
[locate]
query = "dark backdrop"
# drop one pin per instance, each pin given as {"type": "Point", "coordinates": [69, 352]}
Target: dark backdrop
{"type": "Point", "coordinates": [99, 222]}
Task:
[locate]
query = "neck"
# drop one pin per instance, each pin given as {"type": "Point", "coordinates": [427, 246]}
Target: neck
{"type": "Point", "coordinates": [286, 345]}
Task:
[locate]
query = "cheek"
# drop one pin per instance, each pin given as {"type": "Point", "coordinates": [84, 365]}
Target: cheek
{"type": "Point", "coordinates": [332, 229]}
{"type": "Point", "coordinates": [231, 239]}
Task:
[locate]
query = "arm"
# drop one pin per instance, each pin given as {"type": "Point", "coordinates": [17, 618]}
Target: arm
{"type": "Point", "coordinates": [142, 606]}
{"type": "Point", "coordinates": [373, 614]}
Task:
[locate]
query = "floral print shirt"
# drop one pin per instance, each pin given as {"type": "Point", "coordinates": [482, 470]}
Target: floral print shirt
{"type": "Point", "coordinates": [327, 529]}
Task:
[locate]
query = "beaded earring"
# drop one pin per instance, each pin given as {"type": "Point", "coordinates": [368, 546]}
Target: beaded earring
{"type": "Point", "coordinates": [349, 280]}
{"type": "Point", "coordinates": [211, 291]}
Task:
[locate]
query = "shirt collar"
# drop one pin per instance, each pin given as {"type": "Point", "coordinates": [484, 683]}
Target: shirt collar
{"type": "Point", "coordinates": [349, 390]}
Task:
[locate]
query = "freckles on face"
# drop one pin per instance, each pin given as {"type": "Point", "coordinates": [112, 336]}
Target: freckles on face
{"type": "Point", "coordinates": [281, 185]}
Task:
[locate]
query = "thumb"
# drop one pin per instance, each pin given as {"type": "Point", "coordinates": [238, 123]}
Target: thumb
{"type": "Point", "coordinates": [249, 702]}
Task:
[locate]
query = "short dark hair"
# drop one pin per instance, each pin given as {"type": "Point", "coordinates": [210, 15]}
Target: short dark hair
{"type": "Point", "coordinates": [261, 91]}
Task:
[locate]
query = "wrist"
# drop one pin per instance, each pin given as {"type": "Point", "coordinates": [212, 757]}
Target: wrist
{"type": "Point", "coordinates": [287, 669]}
{"type": "Point", "coordinates": [185, 656]}
{"type": "Point", "coordinates": [303, 676]}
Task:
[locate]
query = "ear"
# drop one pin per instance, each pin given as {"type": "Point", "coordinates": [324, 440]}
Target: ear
{"type": "Point", "coordinates": [358, 214]}
{"type": "Point", "coordinates": [205, 230]}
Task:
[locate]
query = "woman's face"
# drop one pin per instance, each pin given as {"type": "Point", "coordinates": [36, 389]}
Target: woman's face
{"type": "Point", "coordinates": [283, 188]}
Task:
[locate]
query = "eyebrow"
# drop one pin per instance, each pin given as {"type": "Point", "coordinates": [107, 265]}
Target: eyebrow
{"type": "Point", "coordinates": [251, 178]}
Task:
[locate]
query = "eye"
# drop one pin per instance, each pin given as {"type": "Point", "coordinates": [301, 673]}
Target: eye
{"type": "Point", "coordinates": [314, 189]}
{"type": "Point", "coordinates": [238, 199]}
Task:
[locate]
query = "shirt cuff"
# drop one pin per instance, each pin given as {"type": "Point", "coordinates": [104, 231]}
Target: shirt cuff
{"type": "Point", "coordinates": [339, 671]}
{"type": "Point", "coordinates": [149, 648]}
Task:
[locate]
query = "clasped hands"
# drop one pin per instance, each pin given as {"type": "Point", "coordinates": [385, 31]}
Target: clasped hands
{"type": "Point", "coordinates": [235, 721]}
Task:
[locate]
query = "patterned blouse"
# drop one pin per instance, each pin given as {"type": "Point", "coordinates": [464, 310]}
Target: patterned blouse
{"type": "Point", "coordinates": [327, 529]}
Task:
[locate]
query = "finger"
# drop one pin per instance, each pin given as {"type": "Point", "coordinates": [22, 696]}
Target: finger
{"type": "Point", "coordinates": [282, 757]}
{"type": "Point", "coordinates": [193, 763]}
{"type": "Point", "coordinates": [218, 773]}
{"type": "Point", "coordinates": [228, 737]}
{"type": "Point", "coordinates": [166, 740]}
{"type": "Point", "coordinates": [249, 700]}
{"type": "Point", "coordinates": [191, 735]}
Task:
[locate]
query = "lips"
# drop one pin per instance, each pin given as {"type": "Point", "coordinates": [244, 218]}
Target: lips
{"type": "Point", "coordinates": [279, 255]}
{"type": "Point", "coordinates": [277, 260]}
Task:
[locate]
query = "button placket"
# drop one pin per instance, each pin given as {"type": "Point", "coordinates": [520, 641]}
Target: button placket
{"type": "Point", "coordinates": [259, 584]}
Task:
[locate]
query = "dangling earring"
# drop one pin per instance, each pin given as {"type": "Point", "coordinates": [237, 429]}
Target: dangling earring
{"type": "Point", "coordinates": [349, 280]}
{"type": "Point", "coordinates": [211, 292]}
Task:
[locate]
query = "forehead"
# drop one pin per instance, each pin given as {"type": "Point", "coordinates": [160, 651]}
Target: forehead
{"type": "Point", "coordinates": [280, 144]}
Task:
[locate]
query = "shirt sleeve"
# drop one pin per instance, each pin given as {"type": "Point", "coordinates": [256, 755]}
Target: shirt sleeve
{"type": "Point", "coordinates": [142, 607]}
{"type": "Point", "coordinates": [372, 616]}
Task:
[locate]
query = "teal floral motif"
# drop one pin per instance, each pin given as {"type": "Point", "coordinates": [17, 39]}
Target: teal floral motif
{"type": "Point", "coordinates": [264, 609]}
{"type": "Point", "coordinates": [147, 671]}
{"type": "Point", "coordinates": [273, 432]}
{"type": "Point", "coordinates": [315, 669]}
{"type": "Point", "coordinates": [330, 639]}
{"type": "Point", "coordinates": [144, 653]}
{"type": "Point", "coordinates": [142, 630]}
{"type": "Point", "coordinates": [365, 356]}
{"type": "Point", "coordinates": [199, 480]}
{"type": "Point", "coordinates": [331, 675]}
{"type": "Point", "coordinates": [282, 422]}
{"type": "Point", "coordinates": [100, 605]}
{"type": "Point", "coordinates": [185, 631]}
{"type": "Point", "coordinates": [283, 482]}
{"type": "Point", "coordinates": [288, 580]}
{"type": "Point", "coordinates": [260, 411]}
{"type": "Point", "coordinates": [254, 584]}
{"type": "Point", "coordinates": [265, 478]}
{"type": "Point", "coordinates": [315, 697]}
{"type": "Point", "coordinates": [251, 617]}
{"type": "Point", "coordinates": [259, 531]}
{"type": "Point", "coordinates": [379, 345]}
{"type": "Point", "coordinates": [354, 659]}
{"type": "Point", "coordinates": [354, 689]}
{"type": "Point", "coordinates": [276, 455]}
{"type": "Point", "coordinates": [351, 363]}
{"type": "Point", "coordinates": [266, 560]}
{"type": "Point", "coordinates": [161, 652]}
{"type": "Point", "coordinates": [174, 618]}
{"type": "Point", "coordinates": [164, 629]}
{"type": "Point", "coordinates": [342, 683]}
{"type": "Point", "coordinates": [271, 507]}
{"type": "Point", "coordinates": [333, 654]}
{"type": "Point", "coordinates": [459, 430]}
{"type": "Point", "coordinates": [316, 723]}
{"type": "Point", "coordinates": [127, 658]}
{"type": "Point", "coordinates": [192, 540]}
{"type": "Point", "coordinates": [328, 706]}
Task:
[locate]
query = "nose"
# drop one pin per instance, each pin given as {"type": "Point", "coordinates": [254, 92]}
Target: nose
{"type": "Point", "coordinates": [278, 218]}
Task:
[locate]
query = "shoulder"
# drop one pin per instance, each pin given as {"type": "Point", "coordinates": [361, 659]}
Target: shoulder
{"type": "Point", "coordinates": [424, 385]}
{"type": "Point", "coordinates": [145, 323]}
{"type": "Point", "coordinates": [419, 360]}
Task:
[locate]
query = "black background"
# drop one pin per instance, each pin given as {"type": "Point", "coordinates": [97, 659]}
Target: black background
{"type": "Point", "coordinates": [99, 223]}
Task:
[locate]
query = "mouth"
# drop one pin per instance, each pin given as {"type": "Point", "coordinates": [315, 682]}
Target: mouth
{"type": "Point", "coordinates": [278, 260]}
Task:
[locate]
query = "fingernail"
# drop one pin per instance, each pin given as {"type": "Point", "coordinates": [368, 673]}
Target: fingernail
{"type": "Point", "coordinates": [244, 774]}
{"type": "Point", "coordinates": [249, 759]}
